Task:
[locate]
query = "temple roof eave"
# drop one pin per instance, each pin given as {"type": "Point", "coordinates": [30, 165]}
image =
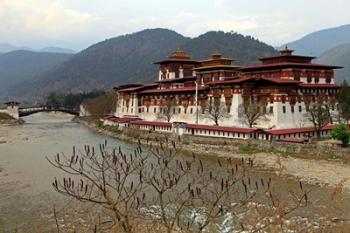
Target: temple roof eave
{"type": "Point", "coordinates": [286, 56]}
{"type": "Point", "coordinates": [242, 80]}
{"type": "Point", "coordinates": [288, 65]}
{"type": "Point", "coordinates": [172, 90]}
{"type": "Point", "coordinates": [216, 67]}
{"type": "Point", "coordinates": [176, 61]}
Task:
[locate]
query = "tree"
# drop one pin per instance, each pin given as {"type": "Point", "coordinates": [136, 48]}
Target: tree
{"type": "Point", "coordinates": [101, 105]}
{"type": "Point", "coordinates": [167, 109]}
{"type": "Point", "coordinates": [342, 134]}
{"type": "Point", "coordinates": [251, 111]}
{"type": "Point", "coordinates": [160, 190]}
{"type": "Point", "coordinates": [344, 102]}
{"type": "Point", "coordinates": [215, 111]}
{"type": "Point", "coordinates": [54, 100]}
{"type": "Point", "coordinates": [319, 115]}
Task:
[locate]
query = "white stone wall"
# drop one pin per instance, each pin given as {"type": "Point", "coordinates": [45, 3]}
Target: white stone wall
{"type": "Point", "coordinates": [279, 119]}
{"type": "Point", "coordinates": [83, 112]}
{"type": "Point", "coordinates": [12, 111]}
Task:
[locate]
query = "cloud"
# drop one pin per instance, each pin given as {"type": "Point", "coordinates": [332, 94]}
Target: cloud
{"type": "Point", "coordinates": [79, 23]}
{"type": "Point", "coordinates": [39, 18]}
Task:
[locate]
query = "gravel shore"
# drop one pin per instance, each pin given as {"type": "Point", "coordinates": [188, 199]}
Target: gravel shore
{"type": "Point", "coordinates": [333, 173]}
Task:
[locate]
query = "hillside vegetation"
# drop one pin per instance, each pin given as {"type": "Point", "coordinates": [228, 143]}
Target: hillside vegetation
{"type": "Point", "coordinates": [317, 43]}
{"type": "Point", "coordinates": [130, 58]}
{"type": "Point", "coordinates": [19, 66]}
{"type": "Point", "coordinates": [339, 55]}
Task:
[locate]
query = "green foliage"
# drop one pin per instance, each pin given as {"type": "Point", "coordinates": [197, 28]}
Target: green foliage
{"type": "Point", "coordinates": [70, 100]}
{"type": "Point", "coordinates": [246, 150]}
{"type": "Point", "coordinates": [344, 101]}
{"type": "Point", "coordinates": [54, 100]}
{"type": "Point", "coordinates": [342, 134]}
{"type": "Point", "coordinates": [76, 99]}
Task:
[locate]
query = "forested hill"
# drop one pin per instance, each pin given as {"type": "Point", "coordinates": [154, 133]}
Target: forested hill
{"type": "Point", "coordinates": [18, 66]}
{"type": "Point", "coordinates": [244, 49]}
{"type": "Point", "coordinates": [339, 55]}
{"type": "Point", "coordinates": [129, 59]}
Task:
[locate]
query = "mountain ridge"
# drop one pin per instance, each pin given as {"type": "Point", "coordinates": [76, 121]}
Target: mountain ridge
{"type": "Point", "coordinates": [129, 59]}
{"type": "Point", "coordinates": [318, 42]}
{"type": "Point", "coordinates": [6, 48]}
{"type": "Point", "coordinates": [20, 65]}
{"type": "Point", "coordinates": [339, 55]}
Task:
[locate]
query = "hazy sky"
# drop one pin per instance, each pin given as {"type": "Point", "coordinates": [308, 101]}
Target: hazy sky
{"type": "Point", "coordinates": [77, 24]}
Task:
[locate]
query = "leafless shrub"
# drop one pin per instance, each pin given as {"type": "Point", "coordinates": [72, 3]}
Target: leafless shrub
{"type": "Point", "coordinates": [158, 190]}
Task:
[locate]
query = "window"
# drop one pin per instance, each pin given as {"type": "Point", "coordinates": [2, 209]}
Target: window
{"type": "Point", "coordinates": [185, 111]}
{"type": "Point", "coordinates": [292, 109]}
{"type": "Point", "coordinates": [284, 109]}
{"type": "Point", "coordinates": [191, 110]}
{"type": "Point", "coordinates": [179, 111]}
{"type": "Point", "coordinates": [300, 109]}
{"type": "Point", "coordinates": [271, 109]}
{"type": "Point", "coordinates": [155, 110]}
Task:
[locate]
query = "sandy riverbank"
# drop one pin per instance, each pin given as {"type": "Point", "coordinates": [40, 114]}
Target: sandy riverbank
{"type": "Point", "coordinates": [333, 173]}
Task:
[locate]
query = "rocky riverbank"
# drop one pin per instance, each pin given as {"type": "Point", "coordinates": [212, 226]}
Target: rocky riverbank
{"type": "Point", "coordinates": [319, 169]}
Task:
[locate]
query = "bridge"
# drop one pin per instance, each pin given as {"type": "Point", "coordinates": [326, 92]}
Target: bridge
{"type": "Point", "coordinates": [16, 112]}
{"type": "Point", "coordinates": [22, 112]}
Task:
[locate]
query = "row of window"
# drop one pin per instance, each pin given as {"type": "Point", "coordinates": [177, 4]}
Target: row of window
{"type": "Point", "coordinates": [317, 91]}
{"type": "Point", "coordinates": [292, 109]}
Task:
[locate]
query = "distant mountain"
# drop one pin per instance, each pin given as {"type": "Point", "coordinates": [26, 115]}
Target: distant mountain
{"type": "Point", "coordinates": [339, 55]}
{"type": "Point", "coordinates": [130, 58]}
{"type": "Point", "coordinates": [19, 66]}
{"type": "Point", "coordinates": [5, 48]}
{"type": "Point", "coordinates": [319, 42]}
{"type": "Point", "coordinates": [56, 50]}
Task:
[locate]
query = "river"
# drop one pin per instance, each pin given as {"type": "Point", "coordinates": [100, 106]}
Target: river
{"type": "Point", "coordinates": [26, 195]}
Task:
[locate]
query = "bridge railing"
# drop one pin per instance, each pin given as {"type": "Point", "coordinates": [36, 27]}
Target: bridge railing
{"type": "Point", "coordinates": [32, 110]}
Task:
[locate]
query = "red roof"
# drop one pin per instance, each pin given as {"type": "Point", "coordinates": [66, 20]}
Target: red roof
{"type": "Point", "coordinates": [120, 119]}
{"type": "Point", "coordinates": [294, 140]}
{"type": "Point", "coordinates": [297, 130]}
{"type": "Point", "coordinates": [183, 89]}
{"type": "Point", "coordinates": [322, 85]}
{"type": "Point", "coordinates": [177, 60]}
{"type": "Point", "coordinates": [137, 88]}
{"type": "Point", "coordinates": [239, 80]}
{"type": "Point", "coordinates": [288, 65]}
{"type": "Point", "coordinates": [177, 80]}
{"type": "Point", "coordinates": [221, 128]}
{"type": "Point", "coordinates": [153, 123]}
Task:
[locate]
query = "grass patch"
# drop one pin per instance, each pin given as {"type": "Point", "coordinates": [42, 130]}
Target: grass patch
{"type": "Point", "coordinates": [247, 150]}
{"type": "Point", "coordinates": [5, 116]}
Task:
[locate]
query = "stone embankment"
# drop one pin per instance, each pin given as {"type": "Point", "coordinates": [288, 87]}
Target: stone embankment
{"type": "Point", "coordinates": [316, 163]}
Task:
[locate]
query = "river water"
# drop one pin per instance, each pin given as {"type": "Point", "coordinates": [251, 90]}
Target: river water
{"type": "Point", "coordinates": [27, 197]}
